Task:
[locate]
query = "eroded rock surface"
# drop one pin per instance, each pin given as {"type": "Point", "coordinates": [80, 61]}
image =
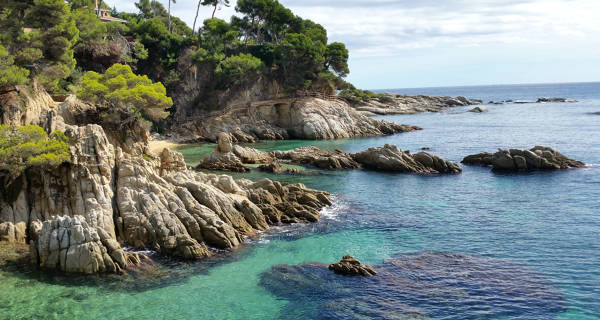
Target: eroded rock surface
{"type": "Point", "coordinates": [70, 244]}
{"type": "Point", "coordinates": [392, 158]}
{"type": "Point", "coordinates": [296, 118]}
{"type": "Point", "coordinates": [79, 216]}
{"type": "Point", "coordinates": [536, 158]}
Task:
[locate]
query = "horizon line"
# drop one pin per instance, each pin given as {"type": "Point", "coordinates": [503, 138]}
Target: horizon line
{"type": "Point", "coordinates": [490, 85]}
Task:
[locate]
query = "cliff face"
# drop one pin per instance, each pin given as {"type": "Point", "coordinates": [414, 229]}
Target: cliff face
{"type": "Point", "coordinates": [297, 118]}
{"type": "Point", "coordinates": [77, 217]}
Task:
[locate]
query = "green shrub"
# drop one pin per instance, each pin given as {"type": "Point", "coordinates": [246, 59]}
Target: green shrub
{"type": "Point", "coordinates": [30, 146]}
{"type": "Point", "coordinates": [10, 75]}
{"type": "Point", "coordinates": [120, 88]}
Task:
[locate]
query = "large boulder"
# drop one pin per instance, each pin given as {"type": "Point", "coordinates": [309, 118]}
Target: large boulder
{"type": "Point", "coordinates": [70, 244]}
{"type": "Point", "coordinates": [392, 158]}
{"type": "Point", "coordinates": [536, 158]}
{"type": "Point", "coordinates": [323, 159]}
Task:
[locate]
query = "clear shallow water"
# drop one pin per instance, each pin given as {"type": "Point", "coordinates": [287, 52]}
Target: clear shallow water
{"type": "Point", "coordinates": [548, 223]}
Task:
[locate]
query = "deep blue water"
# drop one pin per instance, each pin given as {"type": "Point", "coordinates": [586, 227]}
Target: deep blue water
{"type": "Point", "coordinates": [479, 245]}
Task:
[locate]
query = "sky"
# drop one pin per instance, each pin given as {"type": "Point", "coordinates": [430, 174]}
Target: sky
{"type": "Point", "coordinates": [433, 43]}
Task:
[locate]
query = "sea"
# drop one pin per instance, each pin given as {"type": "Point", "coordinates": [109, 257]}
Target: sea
{"type": "Point", "coordinates": [477, 245]}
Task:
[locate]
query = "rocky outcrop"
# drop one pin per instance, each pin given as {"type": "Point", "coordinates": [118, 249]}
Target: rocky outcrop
{"type": "Point", "coordinates": [391, 158]}
{"type": "Point", "coordinates": [387, 158]}
{"type": "Point", "coordinates": [70, 244]}
{"type": "Point", "coordinates": [479, 110]}
{"type": "Point", "coordinates": [350, 266]}
{"type": "Point", "coordinates": [313, 156]}
{"type": "Point", "coordinates": [537, 158]}
{"type": "Point", "coordinates": [539, 100]}
{"type": "Point", "coordinates": [295, 118]}
{"type": "Point", "coordinates": [402, 104]}
{"type": "Point", "coordinates": [79, 216]}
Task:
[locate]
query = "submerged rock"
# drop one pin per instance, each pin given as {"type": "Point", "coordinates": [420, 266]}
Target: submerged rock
{"type": "Point", "coordinates": [427, 284]}
{"type": "Point", "coordinates": [537, 158]}
{"type": "Point", "coordinates": [391, 158]}
{"type": "Point", "coordinates": [352, 267]}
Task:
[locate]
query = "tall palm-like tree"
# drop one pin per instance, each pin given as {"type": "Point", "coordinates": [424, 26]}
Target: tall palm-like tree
{"type": "Point", "coordinates": [170, 13]}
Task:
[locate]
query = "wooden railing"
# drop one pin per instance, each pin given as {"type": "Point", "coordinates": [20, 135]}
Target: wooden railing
{"type": "Point", "coordinates": [315, 94]}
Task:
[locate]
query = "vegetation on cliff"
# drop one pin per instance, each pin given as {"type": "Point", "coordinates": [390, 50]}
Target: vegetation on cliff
{"type": "Point", "coordinates": [121, 89]}
{"type": "Point", "coordinates": [57, 42]}
{"type": "Point", "coordinates": [30, 146]}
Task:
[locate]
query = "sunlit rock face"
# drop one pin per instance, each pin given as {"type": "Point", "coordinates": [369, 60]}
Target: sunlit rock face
{"type": "Point", "coordinates": [418, 286]}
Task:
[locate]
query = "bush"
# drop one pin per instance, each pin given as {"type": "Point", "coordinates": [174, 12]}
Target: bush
{"type": "Point", "coordinates": [354, 94]}
{"type": "Point", "coordinates": [120, 88]}
{"type": "Point", "coordinates": [30, 146]}
{"type": "Point", "coordinates": [239, 68]}
{"type": "Point", "coordinates": [10, 75]}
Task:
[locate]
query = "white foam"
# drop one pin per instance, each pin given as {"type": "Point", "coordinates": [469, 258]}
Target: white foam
{"type": "Point", "coordinates": [332, 212]}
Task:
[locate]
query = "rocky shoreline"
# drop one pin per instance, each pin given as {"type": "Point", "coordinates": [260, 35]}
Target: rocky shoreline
{"type": "Point", "coordinates": [77, 218]}
{"type": "Point", "coordinates": [229, 157]}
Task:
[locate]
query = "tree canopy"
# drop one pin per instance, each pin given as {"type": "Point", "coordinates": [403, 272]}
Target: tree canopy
{"type": "Point", "coordinates": [120, 88]}
{"type": "Point", "coordinates": [29, 146]}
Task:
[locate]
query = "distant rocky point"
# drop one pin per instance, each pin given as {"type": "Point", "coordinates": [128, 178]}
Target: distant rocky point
{"type": "Point", "coordinates": [479, 110]}
{"type": "Point", "coordinates": [537, 158]}
{"type": "Point", "coordinates": [539, 100]}
{"type": "Point", "coordinates": [402, 104]}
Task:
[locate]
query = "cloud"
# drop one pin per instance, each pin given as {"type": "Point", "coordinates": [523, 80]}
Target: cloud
{"type": "Point", "coordinates": [384, 27]}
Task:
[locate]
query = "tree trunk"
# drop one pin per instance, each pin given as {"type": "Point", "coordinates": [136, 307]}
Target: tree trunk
{"type": "Point", "coordinates": [215, 10]}
{"type": "Point", "coordinates": [169, 16]}
{"type": "Point", "coordinates": [196, 18]}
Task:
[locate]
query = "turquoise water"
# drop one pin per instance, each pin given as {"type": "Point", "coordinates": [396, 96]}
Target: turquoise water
{"type": "Point", "coordinates": [542, 223]}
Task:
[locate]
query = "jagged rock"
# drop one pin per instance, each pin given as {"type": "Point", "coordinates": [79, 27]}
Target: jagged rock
{"type": "Point", "coordinates": [391, 158]}
{"type": "Point", "coordinates": [352, 267]}
{"type": "Point", "coordinates": [117, 198]}
{"type": "Point", "coordinates": [70, 244]}
{"type": "Point", "coordinates": [479, 110]}
{"type": "Point", "coordinates": [222, 162]}
{"type": "Point", "coordinates": [323, 159]}
{"type": "Point", "coordinates": [402, 104]}
{"type": "Point", "coordinates": [251, 156]}
{"type": "Point", "coordinates": [171, 161]}
{"type": "Point", "coordinates": [224, 143]}
{"type": "Point", "coordinates": [537, 158]}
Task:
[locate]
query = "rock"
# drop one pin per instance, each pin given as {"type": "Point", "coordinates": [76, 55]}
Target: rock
{"type": "Point", "coordinates": [171, 161]}
{"type": "Point", "coordinates": [402, 104]}
{"type": "Point", "coordinates": [597, 113]}
{"type": "Point", "coordinates": [352, 267]}
{"type": "Point", "coordinates": [544, 100]}
{"type": "Point", "coordinates": [222, 162]}
{"type": "Point", "coordinates": [289, 118]}
{"type": "Point", "coordinates": [537, 158]}
{"type": "Point", "coordinates": [479, 110]}
{"type": "Point", "coordinates": [322, 159]}
{"type": "Point", "coordinates": [415, 286]}
{"type": "Point", "coordinates": [70, 244]}
{"type": "Point", "coordinates": [105, 198]}
{"type": "Point", "coordinates": [224, 143]}
{"type": "Point", "coordinates": [251, 156]}
{"type": "Point", "coordinates": [391, 158]}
